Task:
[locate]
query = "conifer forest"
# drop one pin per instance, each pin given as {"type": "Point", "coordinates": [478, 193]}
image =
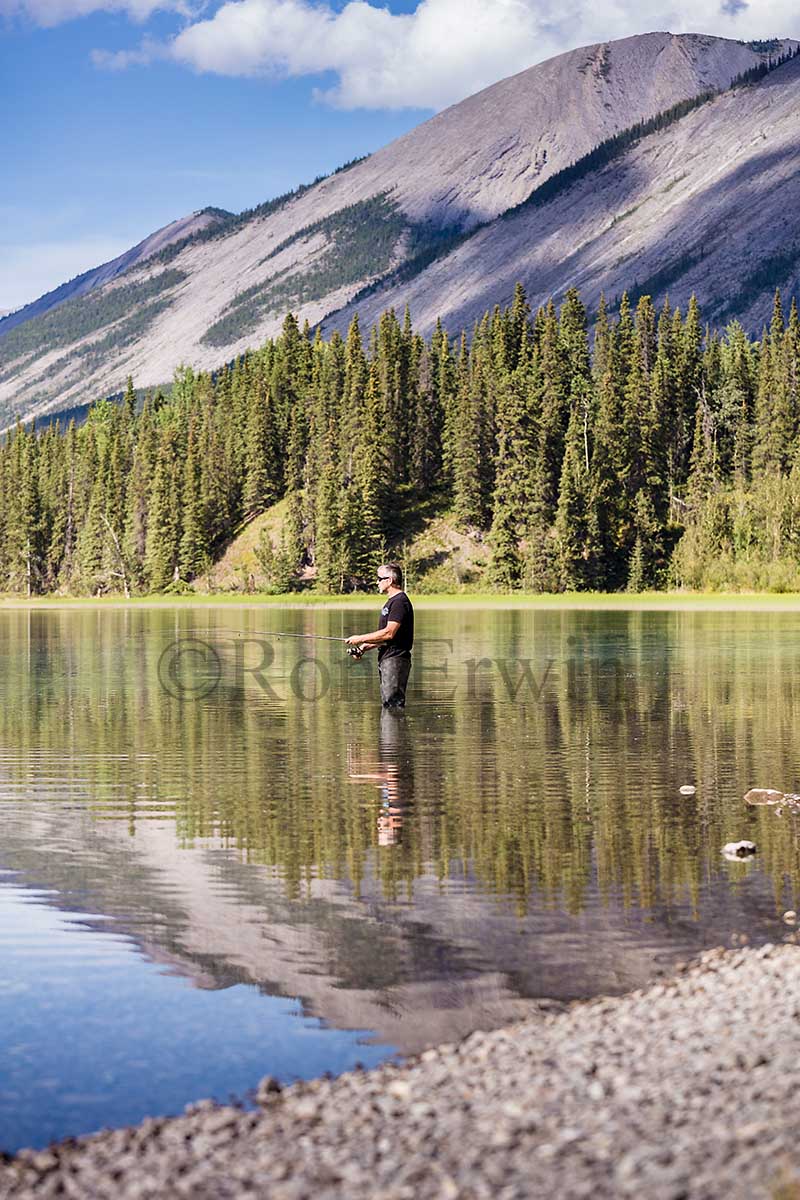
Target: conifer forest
{"type": "Point", "coordinates": [648, 453]}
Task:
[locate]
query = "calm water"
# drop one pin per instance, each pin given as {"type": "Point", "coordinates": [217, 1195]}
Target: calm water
{"type": "Point", "coordinates": [219, 861]}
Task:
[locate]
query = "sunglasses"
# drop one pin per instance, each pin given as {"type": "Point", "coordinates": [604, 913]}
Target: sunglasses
{"type": "Point", "coordinates": [382, 577]}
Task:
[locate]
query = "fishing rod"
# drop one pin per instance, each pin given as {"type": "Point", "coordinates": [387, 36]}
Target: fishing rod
{"type": "Point", "coordinates": [353, 651]}
{"type": "Point", "coordinates": [316, 637]}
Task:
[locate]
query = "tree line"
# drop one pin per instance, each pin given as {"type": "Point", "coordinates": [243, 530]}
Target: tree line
{"type": "Point", "coordinates": [654, 452]}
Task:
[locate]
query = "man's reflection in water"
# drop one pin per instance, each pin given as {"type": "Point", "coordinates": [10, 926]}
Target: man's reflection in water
{"type": "Point", "coordinates": [392, 770]}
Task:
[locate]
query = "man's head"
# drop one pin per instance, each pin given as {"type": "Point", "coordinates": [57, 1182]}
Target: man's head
{"type": "Point", "coordinates": [390, 575]}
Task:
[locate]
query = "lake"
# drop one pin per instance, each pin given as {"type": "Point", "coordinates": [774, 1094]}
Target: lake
{"type": "Point", "coordinates": [220, 859]}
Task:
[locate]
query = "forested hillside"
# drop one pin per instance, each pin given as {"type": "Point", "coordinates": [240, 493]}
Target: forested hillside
{"type": "Point", "coordinates": [666, 456]}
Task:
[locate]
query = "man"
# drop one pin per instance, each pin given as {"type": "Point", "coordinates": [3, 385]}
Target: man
{"type": "Point", "coordinates": [393, 638]}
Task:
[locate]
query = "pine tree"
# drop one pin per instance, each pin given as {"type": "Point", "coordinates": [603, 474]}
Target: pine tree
{"type": "Point", "coordinates": [353, 398]}
{"type": "Point", "coordinates": [688, 376]}
{"type": "Point", "coordinates": [129, 402]}
{"type": "Point", "coordinates": [134, 542]}
{"type": "Point", "coordinates": [425, 458]}
{"type": "Point", "coordinates": [444, 382]}
{"type": "Point", "coordinates": [517, 441]}
{"type": "Point", "coordinates": [647, 556]}
{"type": "Point", "coordinates": [541, 566]}
{"type": "Point", "coordinates": [738, 400]}
{"type": "Point", "coordinates": [775, 422]}
{"type": "Point", "coordinates": [25, 528]}
{"type": "Point", "coordinates": [90, 558]}
{"type": "Point", "coordinates": [702, 472]}
{"type": "Point", "coordinates": [261, 473]}
{"type": "Point", "coordinates": [468, 493]}
{"type": "Point", "coordinates": [656, 440]}
{"type": "Point", "coordinates": [117, 566]}
{"type": "Point", "coordinates": [163, 528]}
{"type": "Point", "coordinates": [194, 546]}
{"type": "Point", "coordinates": [519, 341]}
{"type": "Point", "coordinates": [371, 479]}
{"type": "Point", "coordinates": [608, 502]}
{"type": "Point", "coordinates": [328, 543]}
{"type": "Point", "coordinates": [575, 535]}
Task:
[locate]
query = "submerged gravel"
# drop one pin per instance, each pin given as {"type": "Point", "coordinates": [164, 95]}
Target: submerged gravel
{"type": "Point", "coordinates": [690, 1088]}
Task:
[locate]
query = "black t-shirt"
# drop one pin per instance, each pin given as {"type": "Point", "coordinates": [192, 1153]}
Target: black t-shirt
{"type": "Point", "coordinates": [398, 608]}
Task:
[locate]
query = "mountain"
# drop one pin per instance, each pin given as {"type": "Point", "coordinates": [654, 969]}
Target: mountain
{"type": "Point", "coordinates": [701, 207]}
{"type": "Point", "coordinates": [95, 278]}
{"type": "Point", "coordinates": [451, 214]}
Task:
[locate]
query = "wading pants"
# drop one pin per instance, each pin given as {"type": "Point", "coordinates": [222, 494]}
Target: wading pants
{"type": "Point", "coordinates": [394, 671]}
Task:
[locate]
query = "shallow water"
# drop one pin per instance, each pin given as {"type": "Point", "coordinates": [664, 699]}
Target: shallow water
{"type": "Point", "coordinates": [220, 860]}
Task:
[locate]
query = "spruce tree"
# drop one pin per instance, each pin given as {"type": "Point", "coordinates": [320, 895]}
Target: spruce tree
{"type": "Point", "coordinates": [163, 528]}
{"type": "Point", "coordinates": [425, 457]}
{"type": "Point", "coordinates": [775, 422]}
{"type": "Point", "coordinates": [517, 442]}
{"type": "Point", "coordinates": [371, 480]}
{"type": "Point", "coordinates": [647, 555]}
{"type": "Point", "coordinates": [552, 403]}
{"type": "Point", "coordinates": [194, 546]}
{"type": "Point", "coordinates": [468, 494]}
{"type": "Point", "coordinates": [261, 473]}
{"type": "Point", "coordinates": [575, 535]}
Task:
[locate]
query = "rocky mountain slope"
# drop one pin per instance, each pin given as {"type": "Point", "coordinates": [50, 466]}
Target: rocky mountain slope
{"type": "Point", "coordinates": [390, 220]}
{"type": "Point", "coordinates": [89, 280]}
{"type": "Point", "coordinates": [702, 207]}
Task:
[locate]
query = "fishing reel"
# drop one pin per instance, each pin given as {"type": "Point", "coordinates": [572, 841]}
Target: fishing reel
{"type": "Point", "coordinates": [355, 652]}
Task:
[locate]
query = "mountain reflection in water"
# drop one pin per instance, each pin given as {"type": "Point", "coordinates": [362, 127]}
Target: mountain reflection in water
{"type": "Point", "coordinates": [516, 834]}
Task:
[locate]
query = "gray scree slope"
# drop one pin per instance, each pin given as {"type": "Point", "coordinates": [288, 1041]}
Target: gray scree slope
{"type": "Point", "coordinates": [698, 208]}
{"type": "Point", "coordinates": [81, 285]}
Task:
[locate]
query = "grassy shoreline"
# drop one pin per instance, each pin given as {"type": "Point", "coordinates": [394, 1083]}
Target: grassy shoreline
{"type": "Point", "coordinates": [576, 601]}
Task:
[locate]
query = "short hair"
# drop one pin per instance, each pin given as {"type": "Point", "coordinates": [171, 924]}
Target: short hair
{"type": "Point", "coordinates": [395, 571]}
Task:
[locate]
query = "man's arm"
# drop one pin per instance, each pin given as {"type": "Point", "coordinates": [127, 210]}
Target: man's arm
{"type": "Point", "coordinates": [370, 640]}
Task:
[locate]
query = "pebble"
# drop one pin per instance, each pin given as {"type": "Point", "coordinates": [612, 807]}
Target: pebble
{"type": "Point", "coordinates": [683, 1090]}
{"type": "Point", "coordinates": [764, 796]}
{"type": "Point", "coordinates": [687, 789]}
{"type": "Point", "coordinates": [743, 849]}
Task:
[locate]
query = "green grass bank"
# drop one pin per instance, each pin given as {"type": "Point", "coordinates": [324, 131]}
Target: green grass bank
{"type": "Point", "coordinates": [576, 601]}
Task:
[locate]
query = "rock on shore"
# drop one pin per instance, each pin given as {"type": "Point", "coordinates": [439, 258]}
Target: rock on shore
{"type": "Point", "coordinates": [688, 1089]}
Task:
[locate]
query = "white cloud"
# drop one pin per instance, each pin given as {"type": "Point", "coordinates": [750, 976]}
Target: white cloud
{"type": "Point", "coordinates": [445, 49]}
{"type": "Point", "coordinates": [120, 60]}
{"type": "Point", "coordinates": [437, 54]}
{"type": "Point", "coordinates": [28, 271]}
{"type": "Point", "coordinates": [48, 13]}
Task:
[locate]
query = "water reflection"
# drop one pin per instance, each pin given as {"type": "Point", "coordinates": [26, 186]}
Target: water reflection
{"type": "Point", "coordinates": [391, 770]}
{"type": "Point", "coordinates": [517, 832]}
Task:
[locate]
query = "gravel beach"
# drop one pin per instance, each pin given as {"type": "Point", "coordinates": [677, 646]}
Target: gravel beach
{"type": "Point", "coordinates": [690, 1088]}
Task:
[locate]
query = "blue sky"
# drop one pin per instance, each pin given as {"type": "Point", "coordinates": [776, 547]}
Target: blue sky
{"type": "Point", "coordinates": [126, 114]}
{"type": "Point", "coordinates": [97, 159]}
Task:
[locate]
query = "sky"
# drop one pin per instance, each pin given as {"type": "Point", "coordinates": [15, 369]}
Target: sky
{"type": "Point", "coordinates": [123, 115]}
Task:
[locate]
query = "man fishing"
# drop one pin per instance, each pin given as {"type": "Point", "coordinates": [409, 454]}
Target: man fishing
{"type": "Point", "coordinates": [393, 638]}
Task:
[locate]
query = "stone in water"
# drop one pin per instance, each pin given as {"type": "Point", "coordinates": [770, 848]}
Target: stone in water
{"type": "Point", "coordinates": [764, 796]}
{"type": "Point", "coordinates": [736, 850]}
{"type": "Point", "coordinates": [688, 789]}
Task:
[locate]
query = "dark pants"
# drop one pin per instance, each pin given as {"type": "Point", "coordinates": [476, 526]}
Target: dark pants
{"type": "Point", "coordinates": [394, 671]}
